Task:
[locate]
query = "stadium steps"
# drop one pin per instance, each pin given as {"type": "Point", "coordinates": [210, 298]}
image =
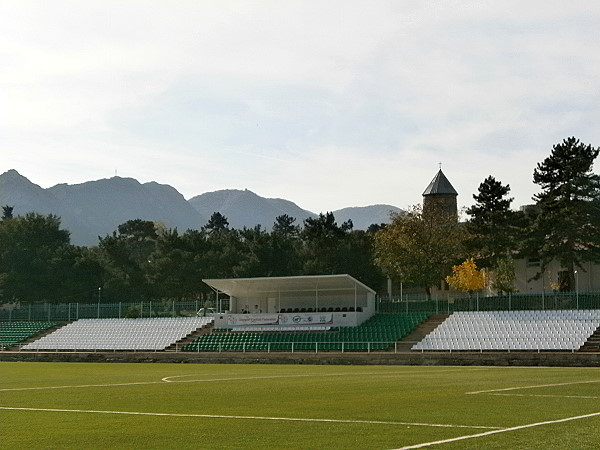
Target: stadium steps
{"type": "Point", "coordinates": [206, 329]}
{"type": "Point", "coordinates": [421, 331]}
{"type": "Point", "coordinates": [593, 343]}
{"type": "Point", "coordinates": [40, 335]}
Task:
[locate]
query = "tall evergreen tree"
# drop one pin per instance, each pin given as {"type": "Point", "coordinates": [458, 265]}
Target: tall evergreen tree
{"type": "Point", "coordinates": [322, 238]}
{"type": "Point", "coordinates": [494, 229]}
{"type": "Point", "coordinates": [567, 226]}
{"type": "Point", "coordinates": [286, 244]}
{"type": "Point", "coordinates": [217, 222]}
{"type": "Point", "coordinates": [7, 212]}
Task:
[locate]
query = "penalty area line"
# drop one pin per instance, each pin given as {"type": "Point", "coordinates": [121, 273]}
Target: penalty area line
{"type": "Point", "coordinates": [222, 416]}
{"type": "Point", "coordinates": [502, 430]}
{"type": "Point", "coordinates": [532, 387]}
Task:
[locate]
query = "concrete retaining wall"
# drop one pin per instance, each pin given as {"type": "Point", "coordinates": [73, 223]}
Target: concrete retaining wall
{"type": "Point", "coordinates": [550, 359]}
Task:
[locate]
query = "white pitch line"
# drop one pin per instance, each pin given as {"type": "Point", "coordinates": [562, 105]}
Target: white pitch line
{"type": "Point", "coordinates": [546, 395]}
{"type": "Point", "coordinates": [533, 387]}
{"type": "Point", "coordinates": [503, 430]}
{"type": "Point", "coordinates": [167, 380]}
{"type": "Point", "coordinates": [268, 377]}
{"type": "Point", "coordinates": [37, 388]}
{"type": "Point", "coordinates": [221, 416]}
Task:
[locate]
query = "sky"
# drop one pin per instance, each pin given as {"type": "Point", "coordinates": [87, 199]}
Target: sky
{"type": "Point", "coordinates": [329, 104]}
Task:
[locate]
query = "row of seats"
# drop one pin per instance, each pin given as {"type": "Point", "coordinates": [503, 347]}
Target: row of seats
{"type": "Point", "coordinates": [12, 333]}
{"type": "Point", "coordinates": [513, 330]}
{"type": "Point", "coordinates": [378, 333]}
{"type": "Point", "coordinates": [322, 309]}
{"type": "Point", "coordinates": [120, 334]}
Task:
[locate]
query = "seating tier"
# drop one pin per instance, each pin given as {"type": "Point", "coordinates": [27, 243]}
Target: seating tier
{"type": "Point", "coordinates": [120, 334]}
{"type": "Point", "coordinates": [12, 333]}
{"type": "Point", "coordinates": [513, 330]}
{"type": "Point", "coordinates": [378, 333]}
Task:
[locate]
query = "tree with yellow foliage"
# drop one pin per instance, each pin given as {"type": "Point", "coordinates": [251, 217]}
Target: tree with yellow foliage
{"type": "Point", "coordinates": [467, 277]}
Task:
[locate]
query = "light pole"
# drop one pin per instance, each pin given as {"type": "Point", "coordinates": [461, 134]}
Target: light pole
{"type": "Point", "coordinates": [577, 289]}
{"type": "Point", "coordinates": [99, 295]}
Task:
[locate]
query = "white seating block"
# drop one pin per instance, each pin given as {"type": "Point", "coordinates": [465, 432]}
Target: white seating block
{"type": "Point", "coordinates": [119, 334]}
{"type": "Point", "coordinates": [513, 330]}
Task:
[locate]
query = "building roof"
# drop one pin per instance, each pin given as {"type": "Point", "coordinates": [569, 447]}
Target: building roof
{"type": "Point", "coordinates": [440, 186]}
{"type": "Point", "coordinates": [244, 287]}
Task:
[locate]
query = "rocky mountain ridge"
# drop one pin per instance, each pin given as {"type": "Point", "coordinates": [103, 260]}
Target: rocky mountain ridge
{"type": "Point", "coordinates": [96, 208]}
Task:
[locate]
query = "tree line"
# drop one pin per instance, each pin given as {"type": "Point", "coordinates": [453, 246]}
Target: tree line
{"type": "Point", "coordinates": [143, 260]}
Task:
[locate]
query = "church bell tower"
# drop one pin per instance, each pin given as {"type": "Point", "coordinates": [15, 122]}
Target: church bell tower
{"type": "Point", "coordinates": [440, 195]}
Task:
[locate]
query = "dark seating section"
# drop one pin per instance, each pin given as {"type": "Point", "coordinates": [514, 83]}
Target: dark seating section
{"type": "Point", "coordinates": [380, 332]}
{"type": "Point", "coordinates": [12, 333]}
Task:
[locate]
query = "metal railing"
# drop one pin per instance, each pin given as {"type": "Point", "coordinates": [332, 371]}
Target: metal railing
{"type": "Point", "coordinates": [67, 312]}
{"type": "Point", "coordinates": [447, 304]}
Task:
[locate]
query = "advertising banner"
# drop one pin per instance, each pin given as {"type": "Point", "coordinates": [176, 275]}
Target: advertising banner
{"type": "Point", "coordinates": [280, 319]}
{"type": "Point", "coordinates": [306, 319]}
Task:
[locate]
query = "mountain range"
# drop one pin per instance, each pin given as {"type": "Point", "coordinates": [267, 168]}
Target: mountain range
{"type": "Point", "coordinates": [96, 208]}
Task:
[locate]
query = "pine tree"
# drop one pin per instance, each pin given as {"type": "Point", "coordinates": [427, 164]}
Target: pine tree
{"type": "Point", "coordinates": [495, 230]}
{"type": "Point", "coordinates": [567, 227]}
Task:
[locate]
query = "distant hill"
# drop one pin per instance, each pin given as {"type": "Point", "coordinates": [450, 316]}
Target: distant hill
{"type": "Point", "coordinates": [97, 208]}
{"type": "Point", "coordinates": [103, 205]}
{"type": "Point", "coordinates": [247, 209]}
{"type": "Point", "coordinates": [363, 217]}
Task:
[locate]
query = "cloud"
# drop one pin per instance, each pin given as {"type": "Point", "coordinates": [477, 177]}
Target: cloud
{"type": "Point", "coordinates": [327, 104]}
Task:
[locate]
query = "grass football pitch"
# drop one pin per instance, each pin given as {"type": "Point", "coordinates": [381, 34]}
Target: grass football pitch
{"type": "Point", "coordinates": [176, 406]}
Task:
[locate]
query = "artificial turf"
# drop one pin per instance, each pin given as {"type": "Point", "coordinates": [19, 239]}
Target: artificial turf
{"type": "Point", "coordinates": [115, 405]}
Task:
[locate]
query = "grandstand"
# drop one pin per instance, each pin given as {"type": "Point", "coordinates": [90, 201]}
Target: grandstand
{"type": "Point", "coordinates": [513, 331]}
{"type": "Point", "coordinates": [120, 334]}
{"type": "Point", "coordinates": [324, 313]}
{"type": "Point", "coordinates": [303, 302]}
{"type": "Point", "coordinates": [536, 330]}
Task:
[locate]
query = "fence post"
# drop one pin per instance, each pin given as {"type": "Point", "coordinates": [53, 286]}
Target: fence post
{"type": "Point", "coordinates": [543, 301]}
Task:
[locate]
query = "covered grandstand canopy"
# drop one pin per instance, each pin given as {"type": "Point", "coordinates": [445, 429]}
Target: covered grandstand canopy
{"type": "Point", "coordinates": [244, 287]}
{"type": "Point", "coordinates": [292, 294]}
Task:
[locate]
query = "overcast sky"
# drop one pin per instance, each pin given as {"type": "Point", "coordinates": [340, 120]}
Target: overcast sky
{"type": "Point", "coordinates": [325, 103]}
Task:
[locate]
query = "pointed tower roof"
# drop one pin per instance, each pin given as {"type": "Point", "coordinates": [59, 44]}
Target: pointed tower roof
{"type": "Point", "coordinates": [440, 186]}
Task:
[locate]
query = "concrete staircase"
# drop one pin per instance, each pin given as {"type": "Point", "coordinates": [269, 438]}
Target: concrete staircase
{"type": "Point", "coordinates": [593, 343]}
{"type": "Point", "coordinates": [177, 346]}
{"type": "Point", "coordinates": [420, 332]}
